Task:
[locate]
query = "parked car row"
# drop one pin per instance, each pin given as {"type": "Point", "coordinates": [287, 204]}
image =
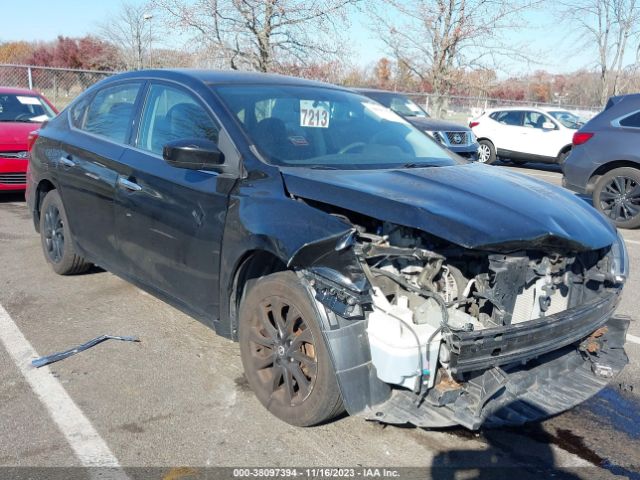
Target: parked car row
{"type": "Point", "coordinates": [350, 256]}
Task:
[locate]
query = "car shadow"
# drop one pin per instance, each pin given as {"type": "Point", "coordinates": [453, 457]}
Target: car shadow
{"type": "Point", "coordinates": [523, 453]}
{"type": "Point", "coordinates": [12, 197]}
{"type": "Point", "coordinates": [545, 167]}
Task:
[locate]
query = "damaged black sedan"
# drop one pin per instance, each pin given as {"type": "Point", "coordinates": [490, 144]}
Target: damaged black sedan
{"type": "Point", "coordinates": [359, 265]}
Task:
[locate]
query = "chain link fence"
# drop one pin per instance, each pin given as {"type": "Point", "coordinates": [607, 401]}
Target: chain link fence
{"type": "Point", "coordinates": [59, 85]}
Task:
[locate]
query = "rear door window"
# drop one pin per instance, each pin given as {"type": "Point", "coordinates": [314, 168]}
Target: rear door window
{"type": "Point", "coordinates": [111, 111]}
{"type": "Point", "coordinates": [508, 117]}
{"type": "Point", "coordinates": [632, 120]}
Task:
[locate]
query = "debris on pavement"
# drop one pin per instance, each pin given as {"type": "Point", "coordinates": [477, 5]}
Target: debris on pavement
{"type": "Point", "coordinates": [55, 357]}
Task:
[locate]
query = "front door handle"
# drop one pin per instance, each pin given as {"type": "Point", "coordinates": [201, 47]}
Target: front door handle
{"type": "Point", "coordinates": [67, 161]}
{"type": "Point", "coordinates": [129, 185]}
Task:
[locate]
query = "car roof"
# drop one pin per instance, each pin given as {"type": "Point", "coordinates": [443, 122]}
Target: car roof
{"type": "Point", "coordinates": [18, 91]}
{"type": "Point", "coordinates": [224, 77]}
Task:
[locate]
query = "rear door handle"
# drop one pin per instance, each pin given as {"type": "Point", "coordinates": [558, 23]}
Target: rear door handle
{"type": "Point", "coordinates": [67, 161]}
{"type": "Point", "coordinates": [129, 185]}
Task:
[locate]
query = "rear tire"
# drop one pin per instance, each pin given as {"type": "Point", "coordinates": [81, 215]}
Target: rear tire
{"type": "Point", "coordinates": [617, 196]}
{"type": "Point", "coordinates": [486, 152]}
{"type": "Point", "coordinates": [283, 352]}
{"type": "Point", "coordinates": [57, 243]}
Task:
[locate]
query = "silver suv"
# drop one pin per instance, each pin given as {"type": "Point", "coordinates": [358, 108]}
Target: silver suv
{"type": "Point", "coordinates": [605, 161]}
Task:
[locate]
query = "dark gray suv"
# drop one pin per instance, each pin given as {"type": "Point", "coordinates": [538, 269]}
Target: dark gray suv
{"type": "Point", "coordinates": [454, 136]}
{"type": "Point", "coordinates": [605, 161]}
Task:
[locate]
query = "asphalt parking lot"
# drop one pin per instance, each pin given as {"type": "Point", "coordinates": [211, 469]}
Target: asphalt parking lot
{"type": "Point", "coordinates": [179, 399]}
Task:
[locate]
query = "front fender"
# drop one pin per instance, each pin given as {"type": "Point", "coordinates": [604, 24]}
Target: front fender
{"type": "Point", "coordinates": [280, 226]}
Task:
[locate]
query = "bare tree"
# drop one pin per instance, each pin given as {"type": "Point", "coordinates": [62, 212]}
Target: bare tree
{"type": "Point", "coordinates": [438, 39]}
{"type": "Point", "coordinates": [130, 32]}
{"type": "Point", "coordinates": [609, 26]}
{"type": "Point", "coordinates": [257, 34]}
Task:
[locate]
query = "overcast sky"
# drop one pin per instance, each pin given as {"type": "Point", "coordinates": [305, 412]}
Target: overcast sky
{"type": "Point", "coordinates": [46, 19]}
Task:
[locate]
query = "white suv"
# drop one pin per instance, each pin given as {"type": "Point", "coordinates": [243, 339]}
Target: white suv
{"type": "Point", "coordinates": [525, 134]}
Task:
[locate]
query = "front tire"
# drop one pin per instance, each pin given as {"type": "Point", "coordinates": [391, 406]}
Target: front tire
{"type": "Point", "coordinates": [283, 352]}
{"type": "Point", "coordinates": [55, 237]}
{"type": "Point", "coordinates": [562, 157]}
{"type": "Point", "coordinates": [486, 152]}
{"type": "Point", "coordinates": [617, 195]}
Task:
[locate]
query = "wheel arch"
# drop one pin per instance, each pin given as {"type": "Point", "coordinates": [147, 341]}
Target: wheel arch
{"type": "Point", "coordinates": [565, 149]}
{"type": "Point", "coordinates": [44, 186]}
{"type": "Point", "coordinates": [253, 264]}
{"type": "Point", "coordinates": [480, 139]}
{"type": "Point", "coordinates": [607, 167]}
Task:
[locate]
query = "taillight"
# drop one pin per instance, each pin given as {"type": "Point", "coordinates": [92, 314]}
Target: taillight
{"type": "Point", "coordinates": [581, 137]}
{"type": "Point", "coordinates": [31, 139]}
{"type": "Point", "coordinates": [473, 124]}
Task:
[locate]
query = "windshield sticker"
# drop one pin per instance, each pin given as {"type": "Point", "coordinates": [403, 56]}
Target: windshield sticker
{"type": "Point", "coordinates": [314, 114]}
{"type": "Point", "coordinates": [28, 100]}
{"type": "Point", "coordinates": [383, 112]}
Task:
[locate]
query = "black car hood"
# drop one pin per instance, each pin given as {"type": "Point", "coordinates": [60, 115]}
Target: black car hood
{"type": "Point", "coordinates": [472, 205]}
{"type": "Point", "coordinates": [433, 124]}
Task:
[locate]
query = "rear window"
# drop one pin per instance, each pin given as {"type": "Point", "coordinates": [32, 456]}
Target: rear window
{"type": "Point", "coordinates": [632, 120]}
{"type": "Point", "coordinates": [509, 117]}
{"type": "Point", "coordinates": [78, 110]}
{"type": "Point", "coordinates": [111, 111]}
{"type": "Point", "coordinates": [24, 108]}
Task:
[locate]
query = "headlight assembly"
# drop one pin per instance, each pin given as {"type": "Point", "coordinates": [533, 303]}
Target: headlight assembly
{"type": "Point", "coordinates": [619, 260]}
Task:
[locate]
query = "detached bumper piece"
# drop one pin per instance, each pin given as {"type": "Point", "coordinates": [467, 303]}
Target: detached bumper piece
{"type": "Point", "coordinates": [516, 394]}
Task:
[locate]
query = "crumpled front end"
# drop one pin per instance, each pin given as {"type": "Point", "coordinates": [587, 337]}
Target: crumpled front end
{"type": "Point", "coordinates": [426, 332]}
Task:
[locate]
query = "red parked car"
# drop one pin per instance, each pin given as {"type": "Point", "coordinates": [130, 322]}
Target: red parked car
{"type": "Point", "coordinates": [21, 112]}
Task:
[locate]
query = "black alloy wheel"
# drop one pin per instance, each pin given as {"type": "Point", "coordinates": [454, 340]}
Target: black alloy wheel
{"type": "Point", "coordinates": [56, 239]}
{"type": "Point", "coordinates": [53, 234]}
{"type": "Point", "coordinates": [617, 195]}
{"type": "Point", "coordinates": [283, 351]}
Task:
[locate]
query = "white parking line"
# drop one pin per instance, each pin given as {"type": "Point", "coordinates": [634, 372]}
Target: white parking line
{"type": "Point", "coordinates": [545, 175]}
{"type": "Point", "coordinates": [633, 338]}
{"type": "Point", "coordinates": [89, 447]}
{"type": "Point", "coordinates": [534, 173]}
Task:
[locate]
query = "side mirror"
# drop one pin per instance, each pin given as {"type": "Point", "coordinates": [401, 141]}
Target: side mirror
{"type": "Point", "coordinates": [193, 154]}
{"type": "Point", "coordinates": [548, 126]}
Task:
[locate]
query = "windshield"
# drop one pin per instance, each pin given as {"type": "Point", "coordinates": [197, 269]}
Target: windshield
{"type": "Point", "coordinates": [24, 108]}
{"type": "Point", "coordinates": [326, 128]}
{"type": "Point", "coordinates": [567, 119]}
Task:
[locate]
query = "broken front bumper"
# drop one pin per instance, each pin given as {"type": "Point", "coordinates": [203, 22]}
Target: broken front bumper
{"type": "Point", "coordinates": [551, 383]}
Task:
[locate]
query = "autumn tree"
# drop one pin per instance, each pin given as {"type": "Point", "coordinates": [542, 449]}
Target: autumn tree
{"type": "Point", "coordinates": [89, 53]}
{"type": "Point", "coordinates": [383, 73]}
{"type": "Point", "coordinates": [15, 52]}
{"type": "Point", "coordinates": [257, 34]}
{"type": "Point", "coordinates": [438, 39]}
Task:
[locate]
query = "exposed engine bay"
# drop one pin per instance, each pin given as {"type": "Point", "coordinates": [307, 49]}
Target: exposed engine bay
{"type": "Point", "coordinates": [420, 294]}
{"type": "Point", "coordinates": [431, 301]}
